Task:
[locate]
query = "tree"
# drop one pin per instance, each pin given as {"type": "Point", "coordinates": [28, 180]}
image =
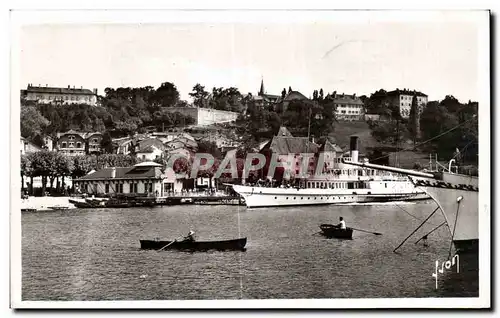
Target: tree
{"type": "Point", "coordinates": [166, 95]}
{"type": "Point", "coordinates": [205, 146]}
{"type": "Point", "coordinates": [26, 171]}
{"type": "Point", "coordinates": [82, 165]}
{"type": "Point", "coordinates": [229, 99]}
{"type": "Point", "coordinates": [451, 104]}
{"type": "Point", "coordinates": [414, 121]}
{"type": "Point", "coordinates": [388, 132]}
{"type": "Point", "coordinates": [44, 165]}
{"type": "Point", "coordinates": [199, 95]}
{"type": "Point", "coordinates": [32, 122]}
{"type": "Point", "coordinates": [107, 143]}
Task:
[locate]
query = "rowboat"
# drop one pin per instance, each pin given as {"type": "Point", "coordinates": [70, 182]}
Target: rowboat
{"type": "Point", "coordinates": [237, 244]}
{"type": "Point", "coordinates": [58, 207]}
{"type": "Point", "coordinates": [332, 231]}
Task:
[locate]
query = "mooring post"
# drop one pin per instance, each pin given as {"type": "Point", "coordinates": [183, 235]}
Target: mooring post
{"type": "Point", "coordinates": [416, 229]}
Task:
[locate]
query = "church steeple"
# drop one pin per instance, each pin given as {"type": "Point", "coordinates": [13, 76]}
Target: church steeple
{"type": "Point", "coordinates": [261, 92]}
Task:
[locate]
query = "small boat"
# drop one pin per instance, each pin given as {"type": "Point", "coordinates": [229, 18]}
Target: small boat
{"type": "Point", "coordinates": [58, 207]}
{"type": "Point", "coordinates": [332, 231]}
{"type": "Point", "coordinates": [85, 205]}
{"type": "Point", "coordinates": [28, 210]}
{"type": "Point", "coordinates": [237, 244]}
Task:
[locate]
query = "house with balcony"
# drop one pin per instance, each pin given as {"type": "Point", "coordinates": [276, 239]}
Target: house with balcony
{"type": "Point", "coordinates": [74, 143]}
{"type": "Point", "coordinates": [94, 140]}
{"type": "Point", "coordinates": [71, 143]}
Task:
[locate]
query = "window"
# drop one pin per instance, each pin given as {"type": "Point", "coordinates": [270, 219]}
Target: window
{"type": "Point", "coordinates": [71, 137]}
{"type": "Point", "coordinates": [106, 188]}
{"type": "Point", "coordinates": [71, 144]}
{"type": "Point", "coordinates": [133, 188]}
{"type": "Point", "coordinates": [120, 188]}
{"type": "Point", "coordinates": [63, 145]}
{"type": "Point", "coordinates": [94, 140]}
{"type": "Point", "coordinates": [78, 145]}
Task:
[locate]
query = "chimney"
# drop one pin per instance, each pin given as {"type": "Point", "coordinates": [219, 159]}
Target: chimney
{"type": "Point", "coordinates": [81, 87]}
{"type": "Point", "coordinates": [73, 86]}
{"type": "Point", "coordinates": [354, 148]}
{"type": "Point", "coordinates": [69, 87]}
{"type": "Point", "coordinates": [113, 173]}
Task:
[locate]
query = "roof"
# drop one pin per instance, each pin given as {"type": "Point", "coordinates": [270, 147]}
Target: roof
{"type": "Point", "coordinates": [405, 91]}
{"type": "Point", "coordinates": [30, 143]}
{"type": "Point", "coordinates": [150, 149]}
{"type": "Point", "coordinates": [183, 140]}
{"type": "Point", "coordinates": [135, 172]}
{"type": "Point", "coordinates": [330, 147]}
{"type": "Point", "coordinates": [147, 143]}
{"type": "Point", "coordinates": [290, 145]}
{"type": "Point", "coordinates": [284, 132]}
{"type": "Point", "coordinates": [84, 135]}
{"type": "Point", "coordinates": [58, 90]}
{"type": "Point", "coordinates": [347, 99]}
{"type": "Point", "coordinates": [294, 95]}
{"type": "Point", "coordinates": [148, 164]}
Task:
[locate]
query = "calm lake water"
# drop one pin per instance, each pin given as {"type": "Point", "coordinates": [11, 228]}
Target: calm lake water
{"type": "Point", "coordinates": [95, 254]}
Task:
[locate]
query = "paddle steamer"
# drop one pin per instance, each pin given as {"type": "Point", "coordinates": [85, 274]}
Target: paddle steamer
{"type": "Point", "coordinates": [341, 185]}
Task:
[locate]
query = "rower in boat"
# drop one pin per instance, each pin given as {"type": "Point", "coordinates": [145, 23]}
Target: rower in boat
{"type": "Point", "coordinates": [190, 236]}
{"type": "Point", "coordinates": [341, 224]}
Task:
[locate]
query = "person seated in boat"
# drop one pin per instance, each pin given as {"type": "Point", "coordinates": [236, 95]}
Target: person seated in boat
{"type": "Point", "coordinates": [341, 224]}
{"type": "Point", "coordinates": [190, 236]}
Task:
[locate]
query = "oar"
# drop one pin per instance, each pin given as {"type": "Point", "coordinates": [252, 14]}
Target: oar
{"type": "Point", "coordinates": [161, 249]}
{"type": "Point", "coordinates": [376, 233]}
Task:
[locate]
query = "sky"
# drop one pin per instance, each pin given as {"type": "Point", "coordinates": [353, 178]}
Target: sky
{"type": "Point", "coordinates": [436, 58]}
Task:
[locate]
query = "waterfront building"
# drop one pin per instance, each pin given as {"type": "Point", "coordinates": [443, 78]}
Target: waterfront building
{"type": "Point", "coordinates": [403, 99]}
{"type": "Point", "coordinates": [60, 95]}
{"type": "Point", "coordinates": [143, 179]}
